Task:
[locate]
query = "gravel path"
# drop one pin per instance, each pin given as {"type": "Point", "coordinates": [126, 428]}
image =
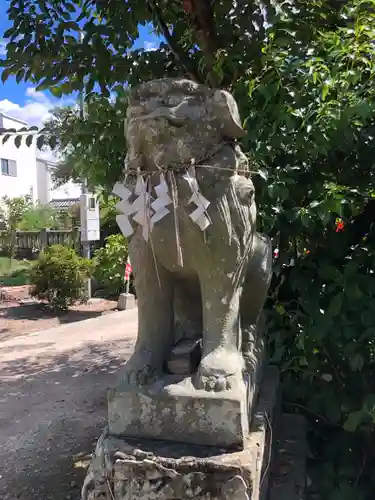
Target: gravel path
{"type": "Point", "coordinates": [53, 403]}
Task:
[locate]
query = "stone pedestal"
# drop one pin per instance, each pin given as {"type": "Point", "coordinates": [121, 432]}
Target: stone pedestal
{"type": "Point", "coordinates": [126, 301]}
{"type": "Point", "coordinates": [172, 409]}
{"type": "Point", "coordinates": [144, 469]}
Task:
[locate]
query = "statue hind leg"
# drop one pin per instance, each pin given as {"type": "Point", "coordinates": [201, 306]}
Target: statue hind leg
{"type": "Point", "coordinates": [257, 282]}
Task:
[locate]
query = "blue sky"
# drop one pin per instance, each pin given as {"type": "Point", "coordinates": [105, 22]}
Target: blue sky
{"type": "Point", "coordinates": [22, 100]}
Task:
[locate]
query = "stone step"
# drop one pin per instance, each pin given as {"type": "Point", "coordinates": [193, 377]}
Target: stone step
{"type": "Point", "coordinates": [288, 472]}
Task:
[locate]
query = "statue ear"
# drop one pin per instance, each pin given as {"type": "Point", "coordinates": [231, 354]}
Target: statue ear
{"type": "Point", "coordinates": [226, 110]}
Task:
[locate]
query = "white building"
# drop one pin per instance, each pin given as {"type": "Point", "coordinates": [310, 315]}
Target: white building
{"type": "Point", "coordinates": [22, 172]}
{"type": "Point", "coordinates": [45, 186]}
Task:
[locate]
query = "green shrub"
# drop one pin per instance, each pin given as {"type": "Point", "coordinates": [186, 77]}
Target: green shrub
{"type": "Point", "coordinates": [59, 276]}
{"type": "Point", "coordinates": [110, 262]}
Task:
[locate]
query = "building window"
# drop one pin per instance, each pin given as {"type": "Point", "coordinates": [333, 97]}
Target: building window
{"type": "Point", "coordinates": [8, 167]}
{"type": "Point", "coordinates": [5, 167]}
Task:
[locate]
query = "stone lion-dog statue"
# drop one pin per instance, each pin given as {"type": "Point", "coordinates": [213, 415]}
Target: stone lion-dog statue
{"type": "Point", "coordinates": [212, 282]}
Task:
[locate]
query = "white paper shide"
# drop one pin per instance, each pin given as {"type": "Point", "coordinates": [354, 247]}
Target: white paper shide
{"type": "Point", "coordinates": [146, 209]}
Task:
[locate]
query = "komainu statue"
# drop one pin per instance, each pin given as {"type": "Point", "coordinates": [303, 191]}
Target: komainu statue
{"type": "Point", "coordinates": [188, 209]}
{"type": "Point", "coordinates": [194, 430]}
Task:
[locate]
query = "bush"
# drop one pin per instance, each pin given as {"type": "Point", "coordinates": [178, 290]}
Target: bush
{"type": "Point", "coordinates": [110, 262]}
{"type": "Point", "coordinates": [59, 276]}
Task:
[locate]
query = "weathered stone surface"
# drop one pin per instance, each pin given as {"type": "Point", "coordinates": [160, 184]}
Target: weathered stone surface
{"type": "Point", "coordinates": [179, 412]}
{"type": "Point", "coordinates": [126, 301]}
{"type": "Point", "coordinates": [190, 283]}
{"type": "Point", "coordinates": [171, 408]}
{"type": "Point", "coordinates": [141, 469]}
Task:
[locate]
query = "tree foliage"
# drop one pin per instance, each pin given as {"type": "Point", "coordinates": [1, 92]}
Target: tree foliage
{"type": "Point", "coordinates": [39, 217]}
{"type": "Point", "coordinates": [110, 262]}
{"type": "Point", "coordinates": [12, 211]}
{"type": "Point", "coordinates": [91, 144]}
{"type": "Point", "coordinates": [304, 83]}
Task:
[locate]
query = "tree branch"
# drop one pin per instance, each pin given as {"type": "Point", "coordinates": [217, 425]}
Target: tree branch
{"type": "Point", "coordinates": [204, 23]}
{"type": "Point", "coordinates": [176, 50]}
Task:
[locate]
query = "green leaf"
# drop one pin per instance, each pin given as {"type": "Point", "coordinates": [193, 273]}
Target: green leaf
{"type": "Point", "coordinates": [315, 204]}
{"type": "Point", "coordinates": [357, 362]}
{"type": "Point", "coordinates": [367, 318]}
{"type": "Point", "coordinates": [280, 309]}
{"type": "Point", "coordinates": [29, 140]}
{"type": "Point", "coordinates": [6, 73]}
{"type": "Point", "coordinates": [354, 420]}
{"type": "Point", "coordinates": [335, 305]}
{"type": "Point", "coordinates": [19, 75]}
{"type": "Point", "coordinates": [52, 142]}
{"type": "Point", "coordinates": [18, 141]}
{"type": "Point", "coordinates": [325, 90]}
{"type": "Point", "coordinates": [46, 83]}
{"type": "Point", "coordinates": [40, 141]}
{"type": "Point", "coordinates": [303, 361]}
{"type": "Point", "coordinates": [353, 291]}
{"type": "Point", "coordinates": [56, 91]}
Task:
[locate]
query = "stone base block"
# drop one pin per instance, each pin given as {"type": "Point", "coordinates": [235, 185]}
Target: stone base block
{"type": "Point", "coordinates": [174, 410]}
{"type": "Point", "coordinates": [142, 469]}
{"type": "Point", "coordinates": [126, 301]}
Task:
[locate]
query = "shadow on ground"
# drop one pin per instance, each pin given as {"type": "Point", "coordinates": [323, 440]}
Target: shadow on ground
{"type": "Point", "coordinates": [52, 410]}
{"type": "Point", "coordinates": [34, 312]}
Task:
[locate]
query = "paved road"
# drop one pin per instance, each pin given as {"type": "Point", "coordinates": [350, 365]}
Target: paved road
{"type": "Point", "coordinates": [53, 387]}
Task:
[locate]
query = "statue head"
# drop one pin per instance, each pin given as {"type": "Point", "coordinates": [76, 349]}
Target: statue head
{"type": "Point", "coordinates": [174, 121]}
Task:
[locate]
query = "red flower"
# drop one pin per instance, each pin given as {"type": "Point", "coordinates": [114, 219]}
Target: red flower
{"type": "Point", "coordinates": [339, 225]}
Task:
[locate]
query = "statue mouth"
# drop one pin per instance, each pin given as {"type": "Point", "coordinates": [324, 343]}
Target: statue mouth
{"type": "Point", "coordinates": [170, 114]}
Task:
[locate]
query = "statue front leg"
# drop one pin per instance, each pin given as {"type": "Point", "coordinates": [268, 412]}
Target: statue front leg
{"type": "Point", "coordinates": [222, 362]}
{"type": "Point", "coordinates": [155, 315]}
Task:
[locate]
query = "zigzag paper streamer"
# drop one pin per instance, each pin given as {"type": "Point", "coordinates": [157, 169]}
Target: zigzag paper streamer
{"type": "Point", "coordinates": [142, 208]}
{"type": "Point", "coordinates": [199, 214]}
{"type": "Point", "coordinates": [125, 207]}
{"type": "Point", "coordinates": [163, 199]}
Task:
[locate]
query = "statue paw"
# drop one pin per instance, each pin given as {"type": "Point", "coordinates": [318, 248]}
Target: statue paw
{"type": "Point", "coordinates": [138, 378]}
{"type": "Point", "coordinates": [139, 372]}
{"type": "Point", "coordinates": [213, 383]}
{"type": "Point", "coordinates": [220, 371]}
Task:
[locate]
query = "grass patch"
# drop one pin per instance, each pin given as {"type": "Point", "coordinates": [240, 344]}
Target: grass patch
{"type": "Point", "coordinates": [13, 272]}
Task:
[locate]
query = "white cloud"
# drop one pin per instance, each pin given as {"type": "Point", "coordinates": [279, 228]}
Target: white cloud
{"type": "Point", "coordinates": [150, 46]}
{"type": "Point", "coordinates": [3, 45]}
{"type": "Point", "coordinates": [35, 111]}
{"type": "Point", "coordinates": [37, 95]}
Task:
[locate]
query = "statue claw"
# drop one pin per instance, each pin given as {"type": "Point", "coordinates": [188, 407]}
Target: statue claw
{"type": "Point", "coordinates": [216, 374]}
